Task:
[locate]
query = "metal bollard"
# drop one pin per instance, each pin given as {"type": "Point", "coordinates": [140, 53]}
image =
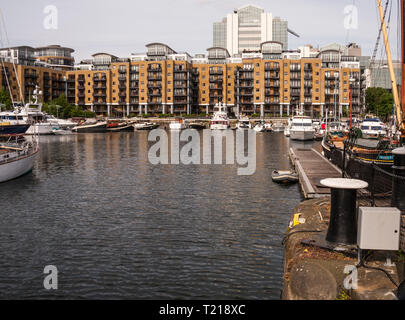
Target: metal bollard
{"type": "Point", "coordinates": [343, 216]}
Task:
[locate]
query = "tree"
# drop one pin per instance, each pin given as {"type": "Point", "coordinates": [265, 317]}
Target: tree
{"type": "Point", "coordinates": [5, 99]}
{"type": "Point", "coordinates": [61, 108]}
{"type": "Point", "coordinates": [379, 102]}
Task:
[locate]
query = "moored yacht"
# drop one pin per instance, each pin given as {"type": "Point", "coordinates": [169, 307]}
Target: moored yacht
{"type": "Point", "coordinates": [220, 120]}
{"type": "Point", "coordinates": [373, 128]}
{"type": "Point", "coordinates": [145, 126]}
{"type": "Point", "coordinates": [93, 127]}
{"type": "Point", "coordinates": [244, 123]}
{"type": "Point", "coordinates": [177, 124]}
{"type": "Point", "coordinates": [278, 127]}
{"type": "Point", "coordinates": [302, 129]}
{"type": "Point", "coordinates": [16, 157]}
{"type": "Point", "coordinates": [260, 127]}
{"type": "Point", "coordinates": [12, 123]}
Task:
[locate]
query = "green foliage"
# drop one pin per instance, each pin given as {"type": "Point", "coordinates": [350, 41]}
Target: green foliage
{"type": "Point", "coordinates": [61, 108]}
{"type": "Point", "coordinates": [379, 102]}
{"type": "Point", "coordinates": [5, 99]}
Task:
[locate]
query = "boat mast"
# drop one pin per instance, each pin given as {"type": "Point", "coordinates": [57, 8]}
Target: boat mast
{"type": "Point", "coordinates": [391, 69]}
{"type": "Point", "coordinates": [402, 8]}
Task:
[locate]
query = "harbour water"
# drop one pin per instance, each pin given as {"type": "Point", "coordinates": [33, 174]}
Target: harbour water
{"type": "Point", "coordinates": [118, 227]}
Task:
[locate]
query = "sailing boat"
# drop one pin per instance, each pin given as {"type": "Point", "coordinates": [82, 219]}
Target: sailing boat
{"type": "Point", "coordinates": [375, 152]}
{"type": "Point", "coordinates": [17, 155]}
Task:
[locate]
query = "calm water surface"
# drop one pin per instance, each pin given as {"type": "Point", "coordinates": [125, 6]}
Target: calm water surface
{"type": "Point", "coordinates": [118, 227]}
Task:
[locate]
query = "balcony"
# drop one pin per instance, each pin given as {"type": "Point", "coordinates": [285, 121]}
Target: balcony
{"type": "Point", "coordinates": [180, 101]}
{"type": "Point", "coordinates": [271, 68]}
{"type": "Point", "coordinates": [31, 75]}
{"type": "Point", "coordinates": [100, 102]}
{"type": "Point", "coordinates": [180, 86]}
{"type": "Point", "coordinates": [154, 85]}
{"type": "Point", "coordinates": [154, 93]}
{"type": "Point", "coordinates": [178, 69]}
{"type": "Point", "coordinates": [155, 78]}
{"type": "Point", "coordinates": [96, 87]}
{"type": "Point", "coordinates": [154, 101]}
{"type": "Point", "coordinates": [216, 72]}
{"type": "Point", "coordinates": [181, 93]}
{"type": "Point", "coordinates": [154, 69]}
{"type": "Point", "coordinates": [103, 78]}
{"type": "Point", "coordinates": [271, 93]}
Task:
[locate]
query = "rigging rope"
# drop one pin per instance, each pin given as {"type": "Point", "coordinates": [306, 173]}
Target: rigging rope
{"type": "Point", "coordinates": [8, 42]}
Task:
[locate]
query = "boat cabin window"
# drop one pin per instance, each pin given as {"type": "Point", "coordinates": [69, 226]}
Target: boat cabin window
{"type": "Point", "coordinates": [365, 128]}
{"type": "Point", "coordinates": [300, 124]}
{"type": "Point", "coordinates": [376, 128]}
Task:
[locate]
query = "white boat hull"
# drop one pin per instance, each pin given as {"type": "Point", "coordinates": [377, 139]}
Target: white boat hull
{"type": "Point", "coordinates": [16, 168]}
{"type": "Point", "coordinates": [41, 129]}
{"type": "Point", "coordinates": [373, 134]}
{"type": "Point", "coordinates": [219, 127]}
{"type": "Point", "coordinates": [302, 135]}
{"type": "Point", "coordinates": [177, 126]}
{"type": "Point", "coordinates": [278, 129]}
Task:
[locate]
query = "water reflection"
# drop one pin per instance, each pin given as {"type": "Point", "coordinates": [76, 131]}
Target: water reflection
{"type": "Point", "coordinates": [118, 227]}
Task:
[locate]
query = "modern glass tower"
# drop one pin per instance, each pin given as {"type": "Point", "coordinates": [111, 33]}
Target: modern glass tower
{"type": "Point", "coordinates": [247, 27]}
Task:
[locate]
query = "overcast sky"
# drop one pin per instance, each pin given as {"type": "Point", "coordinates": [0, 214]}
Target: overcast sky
{"type": "Point", "coordinates": [121, 27]}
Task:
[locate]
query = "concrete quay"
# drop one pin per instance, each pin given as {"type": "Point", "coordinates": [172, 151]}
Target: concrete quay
{"type": "Point", "coordinates": [314, 273]}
